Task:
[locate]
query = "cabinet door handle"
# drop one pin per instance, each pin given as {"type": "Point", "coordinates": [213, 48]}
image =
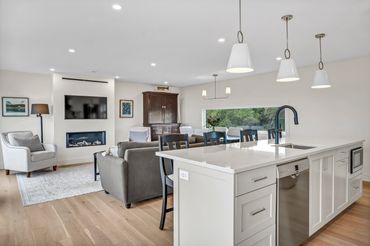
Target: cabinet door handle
{"type": "Point", "coordinates": [259, 179]}
{"type": "Point", "coordinates": [257, 211]}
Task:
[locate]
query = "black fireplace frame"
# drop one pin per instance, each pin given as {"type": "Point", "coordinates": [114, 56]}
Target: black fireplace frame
{"type": "Point", "coordinates": [104, 138]}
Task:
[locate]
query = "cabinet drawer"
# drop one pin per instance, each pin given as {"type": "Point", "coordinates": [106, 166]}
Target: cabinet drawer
{"type": "Point", "coordinates": [341, 154]}
{"type": "Point", "coordinates": [255, 211]}
{"type": "Point", "coordinates": [263, 238]}
{"type": "Point", "coordinates": [255, 179]}
{"type": "Point", "coordinates": [355, 188]}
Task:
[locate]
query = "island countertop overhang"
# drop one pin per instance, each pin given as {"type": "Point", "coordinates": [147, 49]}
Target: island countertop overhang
{"type": "Point", "coordinates": [239, 157]}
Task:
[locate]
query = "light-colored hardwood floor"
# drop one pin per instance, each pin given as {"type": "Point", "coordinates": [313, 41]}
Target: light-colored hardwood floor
{"type": "Point", "coordinates": [99, 219]}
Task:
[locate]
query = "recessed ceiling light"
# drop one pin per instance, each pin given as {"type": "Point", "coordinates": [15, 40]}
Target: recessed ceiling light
{"type": "Point", "coordinates": [116, 7]}
{"type": "Point", "coordinates": [166, 82]}
{"type": "Point", "coordinates": [116, 77]}
{"type": "Point", "coordinates": [52, 69]}
{"type": "Point", "coordinates": [153, 64]}
{"type": "Point", "coordinates": [221, 40]}
{"type": "Point", "coordinates": [71, 50]}
{"type": "Point", "coordinates": [279, 58]}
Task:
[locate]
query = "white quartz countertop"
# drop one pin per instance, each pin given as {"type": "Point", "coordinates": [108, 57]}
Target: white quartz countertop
{"type": "Point", "coordinates": [239, 157]}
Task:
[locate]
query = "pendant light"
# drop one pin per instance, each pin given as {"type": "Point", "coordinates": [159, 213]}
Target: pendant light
{"type": "Point", "coordinates": [321, 78]}
{"type": "Point", "coordinates": [227, 91]}
{"type": "Point", "coordinates": [287, 70]}
{"type": "Point", "coordinates": [240, 60]}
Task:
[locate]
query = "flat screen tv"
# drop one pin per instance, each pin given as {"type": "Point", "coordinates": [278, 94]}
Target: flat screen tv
{"type": "Point", "coordinates": [85, 107]}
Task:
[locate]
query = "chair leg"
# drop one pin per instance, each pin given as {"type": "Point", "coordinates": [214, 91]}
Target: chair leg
{"type": "Point", "coordinates": [164, 206]}
{"type": "Point", "coordinates": [28, 174]}
{"type": "Point", "coordinates": [7, 172]}
{"type": "Point", "coordinates": [55, 168]}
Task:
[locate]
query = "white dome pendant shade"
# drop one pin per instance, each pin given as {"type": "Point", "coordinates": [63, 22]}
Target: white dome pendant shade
{"type": "Point", "coordinates": [240, 59]}
{"type": "Point", "coordinates": [288, 70]}
{"type": "Point", "coordinates": [321, 78]}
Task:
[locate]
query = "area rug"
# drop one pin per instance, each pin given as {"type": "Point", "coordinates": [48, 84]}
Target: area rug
{"type": "Point", "coordinates": [46, 185]}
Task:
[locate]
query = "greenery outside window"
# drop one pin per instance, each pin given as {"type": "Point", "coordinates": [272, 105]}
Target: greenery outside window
{"type": "Point", "coordinates": [246, 118]}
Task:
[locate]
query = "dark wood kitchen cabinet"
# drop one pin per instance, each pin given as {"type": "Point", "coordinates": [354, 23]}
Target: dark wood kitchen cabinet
{"type": "Point", "coordinates": [160, 113]}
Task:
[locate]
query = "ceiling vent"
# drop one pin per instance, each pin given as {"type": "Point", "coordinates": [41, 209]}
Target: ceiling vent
{"type": "Point", "coordinates": [86, 80]}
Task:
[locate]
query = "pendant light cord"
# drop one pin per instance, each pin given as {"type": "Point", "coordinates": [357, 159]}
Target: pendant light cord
{"type": "Point", "coordinates": [240, 35]}
{"type": "Point", "coordinates": [321, 64]}
{"type": "Point", "coordinates": [287, 51]}
{"type": "Point", "coordinates": [215, 76]}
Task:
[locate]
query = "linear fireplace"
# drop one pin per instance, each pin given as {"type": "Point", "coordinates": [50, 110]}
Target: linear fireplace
{"type": "Point", "coordinates": [85, 139]}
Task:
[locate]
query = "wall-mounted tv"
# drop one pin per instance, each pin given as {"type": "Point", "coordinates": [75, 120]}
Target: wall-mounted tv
{"type": "Point", "coordinates": [85, 107]}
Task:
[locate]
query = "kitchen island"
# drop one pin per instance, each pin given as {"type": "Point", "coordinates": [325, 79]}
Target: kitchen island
{"type": "Point", "coordinates": [227, 194]}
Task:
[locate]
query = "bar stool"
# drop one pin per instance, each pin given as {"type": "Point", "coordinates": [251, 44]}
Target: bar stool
{"type": "Point", "coordinates": [169, 142]}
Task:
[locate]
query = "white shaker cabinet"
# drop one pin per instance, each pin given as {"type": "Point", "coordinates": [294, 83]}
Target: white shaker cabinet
{"type": "Point", "coordinates": [341, 184]}
{"type": "Point", "coordinates": [321, 190]}
{"type": "Point", "coordinates": [331, 187]}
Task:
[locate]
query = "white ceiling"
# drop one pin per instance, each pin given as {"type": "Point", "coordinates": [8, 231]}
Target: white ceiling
{"type": "Point", "coordinates": [180, 36]}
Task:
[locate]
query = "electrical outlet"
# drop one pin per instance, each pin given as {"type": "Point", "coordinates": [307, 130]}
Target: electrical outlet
{"type": "Point", "coordinates": [184, 175]}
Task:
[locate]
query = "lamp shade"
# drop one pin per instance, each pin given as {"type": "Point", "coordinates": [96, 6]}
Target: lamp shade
{"type": "Point", "coordinates": [321, 80]}
{"type": "Point", "coordinates": [239, 60]}
{"type": "Point", "coordinates": [287, 71]}
{"type": "Point", "coordinates": [41, 108]}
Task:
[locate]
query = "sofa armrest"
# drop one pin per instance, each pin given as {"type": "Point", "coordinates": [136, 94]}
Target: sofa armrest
{"type": "Point", "coordinates": [50, 147]}
{"type": "Point", "coordinates": [113, 175]}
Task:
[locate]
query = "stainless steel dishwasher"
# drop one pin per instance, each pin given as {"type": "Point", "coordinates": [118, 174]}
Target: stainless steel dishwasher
{"type": "Point", "coordinates": [292, 203]}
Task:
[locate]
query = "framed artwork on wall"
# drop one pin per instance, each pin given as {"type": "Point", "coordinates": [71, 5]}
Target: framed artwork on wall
{"type": "Point", "coordinates": [126, 108]}
{"type": "Point", "coordinates": [15, 106]}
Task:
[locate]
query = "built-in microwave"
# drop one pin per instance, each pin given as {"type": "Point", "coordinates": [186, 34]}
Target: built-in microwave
{"type": "Point", "coordinates": [357, 159]}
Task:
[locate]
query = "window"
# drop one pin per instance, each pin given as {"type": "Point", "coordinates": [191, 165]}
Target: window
{"type": "Point", "coordinates": [247, 118]}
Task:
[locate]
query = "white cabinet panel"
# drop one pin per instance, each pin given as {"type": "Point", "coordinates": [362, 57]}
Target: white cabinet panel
{"type": "Point", "coordinates": [315, 195]}
{"type": "Point", "coordinates": [255, 211]}
{"type": "Point", "coordinates": [340, 184]}
{"type": "Point", "coordinates": [327, 188]}
{"type": "Point", "coordinates": [263, 238]}
{"type": "Point", "coordinates": [321, 191]}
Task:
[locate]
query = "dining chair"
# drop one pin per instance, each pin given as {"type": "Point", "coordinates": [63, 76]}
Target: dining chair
{"type": "Point", "coordinates": [169, 142]}
{"type": "Point", "coordinates": [271, 133]}
{"type": "Point", "coordinates": [214, 138]}
{"type": "Point", "coordinates": [248, 135]}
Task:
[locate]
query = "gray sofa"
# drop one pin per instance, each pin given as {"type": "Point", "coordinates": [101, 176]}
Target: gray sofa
{"type": "Point", "coordinates": [134, 175]}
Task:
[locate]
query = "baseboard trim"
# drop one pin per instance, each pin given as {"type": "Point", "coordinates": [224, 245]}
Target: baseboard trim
{"type": "Point", "coordinates": [74, 162]}
{"type": "Point", "coordinates": [366, 177]}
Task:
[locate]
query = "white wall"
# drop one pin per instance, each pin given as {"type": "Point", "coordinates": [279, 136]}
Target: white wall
{"type": "Point", "coordinates": [131, 91]}
{"type": "Point", "coordinates": [46, 88]}
{"type": "Point", "coordinates": [62, 87]}
{"type": "Point", "coordinates": [341, 111]}
{"type": "Point", "coordinates": [38, 88]}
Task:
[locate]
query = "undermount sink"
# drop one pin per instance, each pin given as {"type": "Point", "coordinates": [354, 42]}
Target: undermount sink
{"type": "Point", "coordinates": [294, 146]}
